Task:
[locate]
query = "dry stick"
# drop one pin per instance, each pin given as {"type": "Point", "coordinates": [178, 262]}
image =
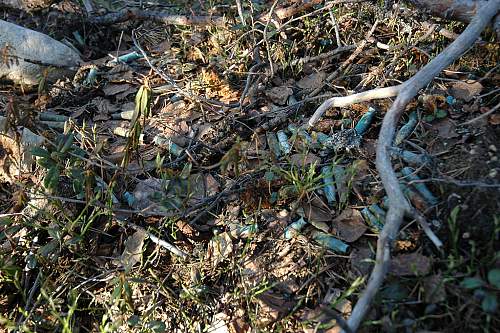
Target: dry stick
{"type": "Point", "coordinates": [486, 114]}
{"type": "Point", "coordinates": [266, 40]}
{"type": "Point", "coordinates": [398, 205]}
{"type": "Point", "coordinates": [341, 101]}
{"type": "Point", "coordinates": [240, 12]}
{"type": "Point", "coordinates": [286, 12]}
{"type": "Point", "coordinates": [346, 63]}
{"type": "Point", "coordinates": [138, 14]}
{"type": "Point", "coordinates": [322, 56]}
{"type": "Point", "coordinates": [170, 247]}
{"type": "Point", "coordinates": [335, 27]}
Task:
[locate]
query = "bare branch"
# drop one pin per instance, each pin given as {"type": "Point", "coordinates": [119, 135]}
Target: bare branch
{"type": "Point", "coordinates": [398, 205]}
{"type": "Point", "coordinates": [138, 14]}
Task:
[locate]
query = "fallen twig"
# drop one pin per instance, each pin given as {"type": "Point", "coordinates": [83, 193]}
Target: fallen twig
{"type": "Point", "coordinates": [286, 12]}
{"type": "Point", "coordinates": [139, 14]}
{"type": "Point", "coordinates": [484, 115]}
{"type": "Point", "coordinates": [341, 101]}
{"type": "Point", "coordinates": [351, 58]}
{"type": "Point", "coordinates": [398, 205]}
{"type": "Point", "coordinates": [170, 247]}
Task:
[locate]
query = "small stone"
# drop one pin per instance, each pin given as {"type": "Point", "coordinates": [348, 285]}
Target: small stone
{"type": "Point", "coordinates": [472, 152]}
{"type": "Point", "coordinates": [492, 148]}
{"type": "Point", "coordinates": [494, 158]}
{"type": "Point", "coordinates": [493, 173]}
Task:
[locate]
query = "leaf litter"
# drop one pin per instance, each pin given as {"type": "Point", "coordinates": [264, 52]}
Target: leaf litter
{"type": "Point", "coordinates": [238, 187]}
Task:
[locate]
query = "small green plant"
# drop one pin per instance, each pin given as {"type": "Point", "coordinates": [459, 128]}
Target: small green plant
{"type": "Point", "coordinates": [485, 290]}
{"type": "Point", "coordinates": [301, 182]}
{"type": "Point", "coordinates": [62, 158]}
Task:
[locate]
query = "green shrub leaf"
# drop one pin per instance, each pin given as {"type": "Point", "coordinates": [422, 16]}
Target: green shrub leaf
{"type": "Point", "coordinates": [472, 283]}
{"type": "Point", "coordinates": [494, 277]}
{"type": "Point", "coordinates": [489, 303]}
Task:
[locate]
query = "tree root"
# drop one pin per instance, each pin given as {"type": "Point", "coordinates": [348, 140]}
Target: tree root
{"type": "Point", "coordinates": [398, 205]}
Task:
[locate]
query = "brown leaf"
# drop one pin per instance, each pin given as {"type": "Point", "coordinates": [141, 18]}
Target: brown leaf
{"type": "Point", "coordinates": [466, 91]}
{"type": "Point", "coordinates": [445, 129]}
{"type": "Point", "coordinates": [317, 216]}
{"type": "Point", "coordinates": [132, 253]}
{"type": "Point", "coordinates": [279, 95]}
{"type": "Point", "coordinates": [112, 89]}
{"type": "Point", "coordinates": [360, 260]}
{"type": "Point", "coordinates": [302, 160]}
{"type": "Point", "coordinates": [213, 186]}
{"type": "Point", "coordinates": [410, 264]}
{"type": "Point", "coordinates": [350, 225]}
{"type": "Point", "coordinates": [120, 73]}
{"type": "Point", "coordinates": [434, 291]}
{"type": "Point", "coordinates": [312, 81]}
{"type": "Point", "coordinates": [494, 119]}
{"type": "Point", "coordinates": [432, 102]}
{"type": "Point", "coordinates": [271, 307]}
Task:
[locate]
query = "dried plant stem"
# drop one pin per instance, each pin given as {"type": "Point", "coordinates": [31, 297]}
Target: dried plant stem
{"type": "Point", "coordinates": [398, 205]}
{"type": "Point", "coordinates": [341, 101]}
{"type": "Point", "coordinates": [139, 14]}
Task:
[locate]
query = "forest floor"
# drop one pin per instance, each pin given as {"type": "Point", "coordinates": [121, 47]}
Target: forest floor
{"type": "Point", "coordinates": [177, 192]}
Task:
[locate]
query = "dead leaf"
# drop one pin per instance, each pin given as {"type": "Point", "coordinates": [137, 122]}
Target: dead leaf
{"type": "Point", "coordinates": [312, 81]}
{"type": "Point", "coordinates": [466, 91]}
{"type": "Point", "coordinates": [410, 264]}
{"type": "Point", "coordinates": [279, 95]}
{"type": "Point", "coordinates": [142, 196]}
{"type": "Point", "coordinates": [271, 307]}
{"type": "Point", "coordinates": [434, 291]}
{"type": "Point", "coordinates": [470, 108]}
{"type": "Point", "coordinates": [433, 102]}
{"type": "Point", "coordinates": [15, 153]}
{"type": "Point", "coordinates": [360, 260]}
{"type": "Point", "coordinates": [494, 119]}
{"type": "Point", "coordinates": [220, 247]}
{"type": "Point", "coordinates": [162, 47]}
{"type": "Point", "coordinates": [186, 229]}
{"type": "Point", "coordinates": [350, 225]}
{"type": "Point", "coordinates": [302, 160]}
{"type": "Point", "coordinates": [445, 129]}
{"type": "Point", "coordinates": [132, 254]}
{"type": "Point", "coordinates": [218, 324]}
{"type": "Point", "coordinates": [112, 89]}
{"type": "Point", "coordinates": [213, 186]}
{"type": "Point", "coordinates": [317, 216]}
{"type": "Point", "coordinates": [120, 73]}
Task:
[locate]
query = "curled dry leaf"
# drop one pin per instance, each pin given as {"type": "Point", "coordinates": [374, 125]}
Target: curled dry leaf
{"type": "Point", "coordinates": [410, 264]}
{"type": "Point", "coordinates": [466, 91]}
{"type": "Point", "coordinates": [317, 216]}
{"type": "Point", "coordinates": [219, 248]}
{"type": "Point", "coordinates": [271, 307]}
{"type": "Point", "coordinates": [15, 154]}
{"type": "Point", "coordinates": [312, 81]}
{"type": "Point", "coordinates": [279, 95]}
{"type": "Point", "coordinates": [434, 291]}
{"type": "Point", "coordinates": [445, 129]}
{"type": "Point", "coordinates": [494, 119]}
{"type": "Point", "coordinates": [360, 260]}
{"type": "Point", "coordinates": [350, 225]}
{"type": "Point", "coordinates": [132, 254]}
{"type": "Point", "coordinates": [302, 160]}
